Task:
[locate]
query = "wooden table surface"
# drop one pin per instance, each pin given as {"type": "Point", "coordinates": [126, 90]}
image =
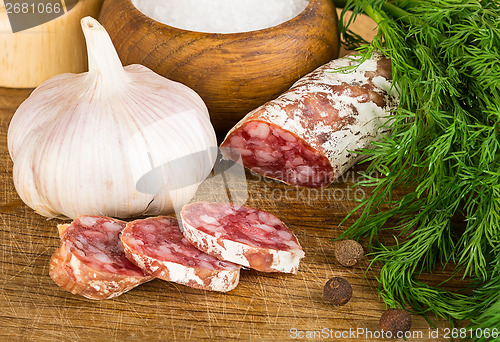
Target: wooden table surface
{"type": "Point", "coordinates": [262, 307]}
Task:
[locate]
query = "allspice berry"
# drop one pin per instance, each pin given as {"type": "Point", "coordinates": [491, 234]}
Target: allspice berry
{"type": "Point", "coordinates": [396, 320]}
{"type": "Point", "coordinates": [348, 252]}
{"type": "Point", "coordinates": [337, 291]}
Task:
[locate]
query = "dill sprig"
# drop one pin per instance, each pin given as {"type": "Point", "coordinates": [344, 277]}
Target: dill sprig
{"type": "Point", "coordinates": [444, 149]}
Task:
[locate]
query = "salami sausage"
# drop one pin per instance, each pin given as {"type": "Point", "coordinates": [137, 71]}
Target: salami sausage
{"type": "Point", "coordinates": [242, 235]}
{"type": "Point", "coordinates": [306, 135]}
{"type": "Point", "coordinates": [91, 261]}
{"type": "Point", "coordinates": [158, 247]}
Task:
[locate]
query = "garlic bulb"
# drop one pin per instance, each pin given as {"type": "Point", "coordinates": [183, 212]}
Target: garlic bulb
{"type": "Point", "coordinates": [115, 141]}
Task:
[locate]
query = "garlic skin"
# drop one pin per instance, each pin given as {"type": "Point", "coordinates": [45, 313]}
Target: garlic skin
{"type": "Point", "coordinates": [115, 141]}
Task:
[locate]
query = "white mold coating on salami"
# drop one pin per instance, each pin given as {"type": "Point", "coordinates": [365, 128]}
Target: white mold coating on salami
{"type": "Point", "coordinates": [304, 137]}
{"type": "Point", "coordinates": [91, 261]}
{"type": "Point", "coordinates": [242, 235]}
{"type": "Point", "coordinates": [157, 246]}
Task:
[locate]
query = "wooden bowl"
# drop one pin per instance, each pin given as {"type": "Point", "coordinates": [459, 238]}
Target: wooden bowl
{"type": "Point", "coordinates": [32, 56]}
{"type": "Point", "coordinates": [233, 72]}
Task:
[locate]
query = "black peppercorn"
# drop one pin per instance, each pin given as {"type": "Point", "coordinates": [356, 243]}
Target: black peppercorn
{"type": "Point", "coordinates": [396, 321]}
{"type": "Point", "coordinates": [337, 291]}
{"type": "Point", "coordinates": [348, 252]}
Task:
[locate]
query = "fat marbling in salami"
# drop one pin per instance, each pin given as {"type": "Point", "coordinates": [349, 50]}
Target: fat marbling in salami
{"type": "Point", "coordinates": [158, 247]}
{"type": "Point", "coordinates": [306, 136]}
{"type": "Point", "coordinates": [91, 261]}
{"type": "Point", "coordinates": [243, 235]}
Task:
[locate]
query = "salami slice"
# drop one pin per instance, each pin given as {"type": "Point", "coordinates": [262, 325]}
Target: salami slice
{"type": "Point", "coordinates": [306, 135]}
{"type": "Point", "coordinates": [242, 235]}
{"type": "Point", "coordinates": [91, 261]}
{"type": "Point", "coordinates": [158, 247]}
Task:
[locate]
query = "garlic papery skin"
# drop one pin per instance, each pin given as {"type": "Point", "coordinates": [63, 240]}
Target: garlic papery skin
{"type": "Point", "coordinates": [115, 141]}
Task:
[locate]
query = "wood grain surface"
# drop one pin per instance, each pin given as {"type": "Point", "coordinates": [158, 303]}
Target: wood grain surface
{"type": "Point", "coordinates": [264, 306]}
{"type": "Point", "coordinates": [233, 73]}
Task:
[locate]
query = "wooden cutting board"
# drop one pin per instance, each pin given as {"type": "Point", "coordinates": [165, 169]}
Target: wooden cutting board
{"type": "Point", "coordinates": [263, 306]}
{"type": "Point", "coordinates": [275, 307]}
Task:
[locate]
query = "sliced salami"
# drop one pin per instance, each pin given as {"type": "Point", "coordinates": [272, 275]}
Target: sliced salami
{"type": "Point", "coordinates": [243, 235]}
{"type": "Point", "coordinates": [158, 247]}
{"type": "Point", "coordinates": [306, 135]}
{"type": "Point", "coordinates": [91, 261]}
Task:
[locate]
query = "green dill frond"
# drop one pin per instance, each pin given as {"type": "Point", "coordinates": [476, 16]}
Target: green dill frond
{"type": "Point", "coordinates": [444, 151]}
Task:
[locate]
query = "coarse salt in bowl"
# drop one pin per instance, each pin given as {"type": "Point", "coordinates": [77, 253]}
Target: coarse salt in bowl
{"type": "Point", "coordinates": [221, 16]}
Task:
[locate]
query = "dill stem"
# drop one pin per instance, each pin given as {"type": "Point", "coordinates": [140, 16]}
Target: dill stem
{"type": "Point", "coordinates": [375, 15]}
{"type": "Point", "coordinates": [399, 13]}
{"type": "Point", "coordinates": [393, 10]}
